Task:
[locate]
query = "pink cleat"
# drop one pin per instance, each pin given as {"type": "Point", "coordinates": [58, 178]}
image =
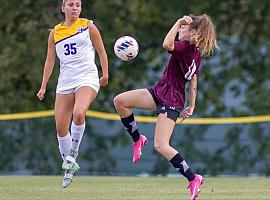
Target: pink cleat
{"type": "Point", "coordinates": [194, 186]}
{"type": "Point", "coordinates": [137, 148]}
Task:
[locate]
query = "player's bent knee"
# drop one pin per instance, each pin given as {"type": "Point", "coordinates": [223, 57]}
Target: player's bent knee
{"type": "Point", "coordinates": [79, 116]}
{"type": "Point", "coordinates": [160, 148]}
{"type": "Point", "coordinates": [118, 102]}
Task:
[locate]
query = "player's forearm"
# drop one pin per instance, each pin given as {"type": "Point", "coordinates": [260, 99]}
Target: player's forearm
{"type": "Point", "coordinates": [48, 68]}
{"type": "Point", "coordinates": [104, 63]}
{"type": "Point", "coordinates": [170, 37]}
{"type": "Point", "coordinates": [193, 91]}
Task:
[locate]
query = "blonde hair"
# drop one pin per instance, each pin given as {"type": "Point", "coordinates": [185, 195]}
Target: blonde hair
{"type": "Point", "coordinates": [204, 36]}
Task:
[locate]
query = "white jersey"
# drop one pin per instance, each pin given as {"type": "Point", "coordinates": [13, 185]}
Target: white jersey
{"type": "Point", "coordinates": [77, 56]}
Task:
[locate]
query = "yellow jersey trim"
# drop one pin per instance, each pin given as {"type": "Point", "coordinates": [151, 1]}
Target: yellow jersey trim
{"type": "Point", "coordinates": [63, 32]}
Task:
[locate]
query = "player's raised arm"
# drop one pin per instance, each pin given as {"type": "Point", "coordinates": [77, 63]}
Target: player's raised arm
{"type": "Point", "coordinates": [168, 42]}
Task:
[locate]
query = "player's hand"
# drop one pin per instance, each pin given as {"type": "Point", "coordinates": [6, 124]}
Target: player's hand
{"type": "Point", "coordinates": [185, 20]}
{"type": "Point", "coordinates": [41, 93]}
{"type": "Point", "coordinates": [188, 111]}
{"type": "Point", "coordinates": [103, 81]}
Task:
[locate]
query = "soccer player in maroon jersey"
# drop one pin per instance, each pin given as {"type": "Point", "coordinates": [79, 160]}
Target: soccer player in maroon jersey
{"type": "Point", "coordinates": [196, 37]}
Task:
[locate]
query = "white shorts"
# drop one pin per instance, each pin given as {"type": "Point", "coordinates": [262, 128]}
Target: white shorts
{"type": "Point", "coordinates": [70, 80]}
{"type": "Point", "coordinates": [94, 84]}
{"type": "Point", "coordinates": [73, 90]}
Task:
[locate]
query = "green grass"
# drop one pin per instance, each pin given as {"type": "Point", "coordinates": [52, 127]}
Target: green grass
{"type": "Point", "coordinates": [129, 188]}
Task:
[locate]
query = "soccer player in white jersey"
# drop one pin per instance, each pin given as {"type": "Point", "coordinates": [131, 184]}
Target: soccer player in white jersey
{"type": "Point", "coordinates": [74, 41]}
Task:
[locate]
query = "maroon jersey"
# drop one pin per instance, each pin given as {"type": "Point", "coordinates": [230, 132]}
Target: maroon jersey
{"type": "Point", "coordinates": [183, 64]}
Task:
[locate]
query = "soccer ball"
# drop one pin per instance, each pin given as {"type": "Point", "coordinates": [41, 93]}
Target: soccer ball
{"type": "Point", "coordinates": [126, 48]}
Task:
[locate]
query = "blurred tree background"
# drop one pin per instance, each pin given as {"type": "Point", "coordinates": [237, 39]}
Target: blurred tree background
{"type": "Point", "coordinates": [235, 81]}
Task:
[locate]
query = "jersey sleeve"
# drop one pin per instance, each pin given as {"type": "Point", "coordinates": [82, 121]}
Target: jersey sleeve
{"type": "Point", "coordinates": [181, 47]}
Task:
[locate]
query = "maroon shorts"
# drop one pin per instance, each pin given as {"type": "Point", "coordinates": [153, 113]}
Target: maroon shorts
{"type": "Point", "coordinates": [172, 112]}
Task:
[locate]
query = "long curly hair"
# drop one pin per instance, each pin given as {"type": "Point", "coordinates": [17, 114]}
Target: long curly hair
{"type": "Point", "coordinates": [204, 34]}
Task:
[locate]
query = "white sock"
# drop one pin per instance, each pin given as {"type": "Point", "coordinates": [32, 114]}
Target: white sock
{"type": "Point", "coordinates": [64, 145]}
{"type": "Point", "coordinates": [77, 134]}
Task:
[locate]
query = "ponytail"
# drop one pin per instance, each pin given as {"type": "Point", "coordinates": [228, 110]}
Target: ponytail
{"type": "Point", "coordinates": [204, 35]}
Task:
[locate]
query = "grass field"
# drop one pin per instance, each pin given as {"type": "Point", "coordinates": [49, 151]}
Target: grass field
{"type": "Point", "coordinates": [129, 188]}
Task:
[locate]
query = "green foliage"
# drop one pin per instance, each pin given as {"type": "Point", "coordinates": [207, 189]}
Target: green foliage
{"type": "Point", "coordinates": [233, 82]}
